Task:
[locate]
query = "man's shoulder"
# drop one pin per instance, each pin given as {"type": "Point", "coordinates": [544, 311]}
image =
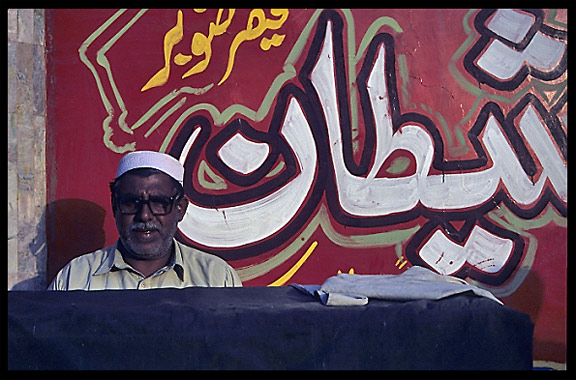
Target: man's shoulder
{"type": "Point", "coordinates": [94, 256]}
{"type": "Point", "coordinates": [207, 269]}
{"type": "Point", "coordinates": [77, 273]}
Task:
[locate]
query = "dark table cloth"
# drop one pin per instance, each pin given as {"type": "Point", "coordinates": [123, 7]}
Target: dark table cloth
{"type": "Point", "coordinates": [259, 328]}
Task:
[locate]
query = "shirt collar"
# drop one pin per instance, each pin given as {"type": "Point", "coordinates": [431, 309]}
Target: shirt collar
{"type": "Point", "coordinates": [114, 261]}
{"type": "Point", "coordinates": [177, 261]}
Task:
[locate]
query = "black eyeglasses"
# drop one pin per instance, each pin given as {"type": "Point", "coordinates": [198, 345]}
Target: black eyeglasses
{"type": "Point", "coordinates": [159, 205]}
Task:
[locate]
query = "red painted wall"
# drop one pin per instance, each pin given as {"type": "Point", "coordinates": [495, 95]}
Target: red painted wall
{"type": "Point", "coordinates": [324, 141]}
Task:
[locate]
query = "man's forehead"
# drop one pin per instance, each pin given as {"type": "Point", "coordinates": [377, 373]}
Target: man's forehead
{"type": "Point", "coordinates": [153, 183]}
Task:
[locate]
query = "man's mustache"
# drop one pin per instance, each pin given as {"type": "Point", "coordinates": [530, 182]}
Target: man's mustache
{"type": "Point", "coordinates": [145, 226]}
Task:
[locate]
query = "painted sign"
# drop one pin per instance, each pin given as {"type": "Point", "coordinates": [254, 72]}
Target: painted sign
{"type": "Point", "coordinates": [324, 141]}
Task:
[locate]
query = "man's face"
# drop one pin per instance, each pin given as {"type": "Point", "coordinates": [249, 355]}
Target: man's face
{"type": "Point", "coordinates": [145, 235]}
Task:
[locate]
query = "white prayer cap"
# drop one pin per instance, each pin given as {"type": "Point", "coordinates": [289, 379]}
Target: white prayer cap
{"type": "Point", "coordinates": [151, 159]}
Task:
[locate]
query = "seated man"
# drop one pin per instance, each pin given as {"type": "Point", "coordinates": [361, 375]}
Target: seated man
{"type": "Point", "coordinates": [148, 202]}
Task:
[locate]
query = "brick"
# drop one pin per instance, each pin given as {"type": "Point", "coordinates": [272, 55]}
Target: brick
{"type": "Point", "coordinates": [26, 25]}
{"type": "Point", "coordinates": [26, 150]}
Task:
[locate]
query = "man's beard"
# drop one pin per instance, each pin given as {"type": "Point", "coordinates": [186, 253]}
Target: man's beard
{"type": "Point", "coordinates": [157, 250]}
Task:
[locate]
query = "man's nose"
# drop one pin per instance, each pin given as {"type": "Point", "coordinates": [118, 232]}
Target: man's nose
{"type": "Point", "coordinates": [144, 212]}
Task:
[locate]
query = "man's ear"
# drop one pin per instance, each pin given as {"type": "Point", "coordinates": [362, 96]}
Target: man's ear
{"type": "Point", "coordinates": [181, 207]}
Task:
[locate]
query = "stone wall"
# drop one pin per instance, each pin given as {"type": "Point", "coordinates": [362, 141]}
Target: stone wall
{"type": "Point", "coordinates": [26, 150]}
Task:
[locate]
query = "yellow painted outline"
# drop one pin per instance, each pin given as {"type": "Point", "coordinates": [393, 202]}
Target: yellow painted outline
{"type": "Point", "coordinates": [288, 275]}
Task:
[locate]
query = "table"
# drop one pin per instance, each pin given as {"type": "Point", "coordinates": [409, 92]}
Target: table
{"type": "Point", "coordinates": [259, 328]}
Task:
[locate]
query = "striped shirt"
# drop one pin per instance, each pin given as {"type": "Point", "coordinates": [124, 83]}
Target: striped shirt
{"type": "Point", "coordinates": [106, 269]}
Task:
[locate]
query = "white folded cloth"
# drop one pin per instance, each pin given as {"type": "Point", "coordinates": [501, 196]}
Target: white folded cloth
{"type": "Point", "coordinates": [416, 283]}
